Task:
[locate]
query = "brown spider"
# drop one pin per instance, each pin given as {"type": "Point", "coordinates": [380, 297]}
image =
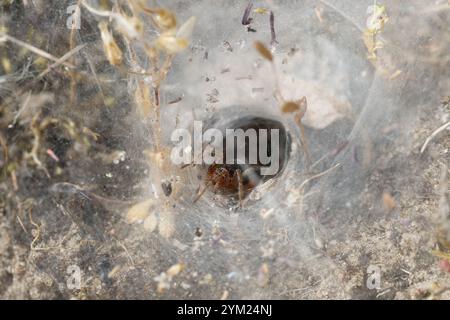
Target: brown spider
{"type": "Point", "coordinates": [230, 180]}
{"type": "Point", "coordinates": [238, 180]}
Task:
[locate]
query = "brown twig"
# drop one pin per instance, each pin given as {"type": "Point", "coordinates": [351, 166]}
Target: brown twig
{"type": "Point", "coordinates": [61, 60]}
{"type": "Point", "coordinates": [4, 148]}
{"type": "Point", "coordinates": [273, 39]}
{"type": "Point", "coordinates": [246, 19]}
{"type": "Point", "coordinates": [34, 49]}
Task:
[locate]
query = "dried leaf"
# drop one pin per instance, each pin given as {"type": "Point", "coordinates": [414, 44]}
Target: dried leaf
{"type": "Point", "coordinates": [186, 29]}
{"type": "Point", "coordinates": [163, 18]}
{"type": "Point", "coordinates": [263, 51]}
{"type": "Point", "coordinates": [112, 50]}
{"type": "Point", "coordinates": [130, 27]}
{"type": "Point", "coordinates": [6, 64]}
{"type": "Point", "coordinates": [377, 18]}
{"type": "Point", "coordinates": [289, 107]}
{"type": "Point", "coordinates": [143, 99]}
{"type": "Point", "coordinates": [175, 270]}
{"type": "Point", "coordinates": [170, 43]}
{"type": "Point", "coordinates": [369, 41]}
{"type": "Point", "coordinates": [225, 295]}
{"type": "Point", "coordinates": [139, 211]}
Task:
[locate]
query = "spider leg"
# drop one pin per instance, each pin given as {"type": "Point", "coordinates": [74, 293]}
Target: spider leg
{"type": "Point", "coordinates": [240, 187]}
{"type": "Point", "coordinates": [201, 191]}
{"type": "Point", "coordinates": [298, 119]}
{"type": "Point", "coordinates": [252, 177]}
{"type": "Point", "coordinates": [207, 185]}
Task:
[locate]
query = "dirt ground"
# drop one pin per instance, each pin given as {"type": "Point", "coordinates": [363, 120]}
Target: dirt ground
{"type": "Point", "coordinates": [72, 165]}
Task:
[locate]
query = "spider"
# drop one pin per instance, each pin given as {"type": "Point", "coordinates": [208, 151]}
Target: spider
{"type": "Point", "coordinates": [230, 180]}
{"type": "Point", "coordinates": [238, 180]}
